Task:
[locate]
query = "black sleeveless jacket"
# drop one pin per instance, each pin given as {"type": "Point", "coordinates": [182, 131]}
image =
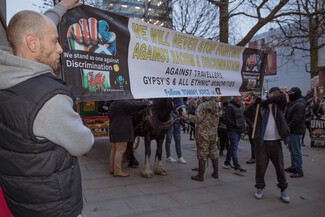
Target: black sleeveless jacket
{"type": "Point", "coordinates": [38, 177]}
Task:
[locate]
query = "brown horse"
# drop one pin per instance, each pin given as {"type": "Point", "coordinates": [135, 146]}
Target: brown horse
{"type": "Point", "coordinates": [152, 124]}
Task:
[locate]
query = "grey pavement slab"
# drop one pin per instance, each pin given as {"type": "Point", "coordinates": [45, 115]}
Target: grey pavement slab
{"type": "Point", "coordinates": [177, 195]}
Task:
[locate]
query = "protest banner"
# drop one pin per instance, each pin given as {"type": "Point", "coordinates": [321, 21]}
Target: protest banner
{"type": "Point", "coordinates": [107, 56]}
{"type": "Point", "coordinates": [317, 131]}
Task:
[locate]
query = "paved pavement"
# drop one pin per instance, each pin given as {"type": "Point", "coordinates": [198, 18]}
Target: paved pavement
{"type": "Point", "coordinates": [177, 195]}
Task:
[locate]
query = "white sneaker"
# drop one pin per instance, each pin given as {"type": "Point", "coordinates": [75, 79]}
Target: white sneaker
{"type": "Point", "coordinates": [170, 159]}
{"type": "Point", "coordinates": [284, 197]}
{"type": "Point", "coordinates": [181, 160]}
{"type": "Point", "coordinates": [227, 166]}
{"type": "Point", "coordinates": [259, 193]}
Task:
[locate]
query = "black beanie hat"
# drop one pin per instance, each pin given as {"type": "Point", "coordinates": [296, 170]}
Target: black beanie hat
{"type": "Point", "coordinates": [295, 90]}
{"type": "Point", "coordinates": [273, 89]}
{"type": "Point", "coordinates": [294, 93]}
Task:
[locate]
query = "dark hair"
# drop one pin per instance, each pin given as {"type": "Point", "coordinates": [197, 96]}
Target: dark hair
{"type": "Point", "coordinates": [225, 103]}
{"type": "Point", "coordinates": [295, 90]}
{"type": "Point", "coordinates": [273, 89]}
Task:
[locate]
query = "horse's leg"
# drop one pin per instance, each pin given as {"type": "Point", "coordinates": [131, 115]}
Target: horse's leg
{"type": "Point", "coordinates": [158, 168]}
{"type": "Point", "coordinates": [146, 171]}
{"type": "Point", "coordinates": [130, 156]}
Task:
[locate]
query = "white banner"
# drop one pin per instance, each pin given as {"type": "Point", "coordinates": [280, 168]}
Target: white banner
{"type": "Point", "coordinates": [166, 63]}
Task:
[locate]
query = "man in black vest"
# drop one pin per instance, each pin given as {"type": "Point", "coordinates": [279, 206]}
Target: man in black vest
{"type": "Point", "coordinates": [41, 133]}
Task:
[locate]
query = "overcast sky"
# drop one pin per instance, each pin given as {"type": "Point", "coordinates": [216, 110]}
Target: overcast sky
{"type": "Point", "coordinates": [14, 6]}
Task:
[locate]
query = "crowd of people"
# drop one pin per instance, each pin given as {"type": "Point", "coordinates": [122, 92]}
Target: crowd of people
{"type": "Point", "coordinates": [42, 139]}
{"type": "Point", "coordinates": [281, 118]}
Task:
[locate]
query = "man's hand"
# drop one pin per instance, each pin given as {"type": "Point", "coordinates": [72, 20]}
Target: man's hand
{"type": "Point", "coordinates": [69, 4]}
{"type": "Point", "coordinates": [263, 103]}
{"type": "Point", "coordinates": [258, 100]}
{"type": "Point", "coordinates": [286, 140]}
{"type": "Point", "coordinates": [92, 35]}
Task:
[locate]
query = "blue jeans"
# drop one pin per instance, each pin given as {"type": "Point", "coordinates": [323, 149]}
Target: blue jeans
{"type": "Point", "coordinates": [174, 130]}
{"type": "Point", "coordinates": [234, 138]}
{"type": "Point", "coordinates": [295, 151]}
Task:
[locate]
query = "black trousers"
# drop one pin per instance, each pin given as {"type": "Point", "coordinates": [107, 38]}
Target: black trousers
{"type": "Point", "coordinates": [224, 140]}
{"type": "Point", "coordinates": [270, 150]}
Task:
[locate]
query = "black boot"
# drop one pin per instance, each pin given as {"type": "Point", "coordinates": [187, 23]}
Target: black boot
{"type": "Point", "coordinates": [130, 156]}
{"type": "Point", "coordinates": [133, 162]}
{"type": "Point", "coordinates": [215, 173]}
{"type": "Point", "coordinates": [191, 135]}
{"type": "Point", "coordinates": [199, 176]}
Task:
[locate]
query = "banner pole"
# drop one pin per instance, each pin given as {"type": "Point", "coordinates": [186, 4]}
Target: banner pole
{"type": "Point", "coordinates": [255, 120]}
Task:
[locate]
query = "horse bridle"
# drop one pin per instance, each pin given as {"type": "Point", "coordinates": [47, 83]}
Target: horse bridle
{"type": "Point", "coordinates": [154, 122]}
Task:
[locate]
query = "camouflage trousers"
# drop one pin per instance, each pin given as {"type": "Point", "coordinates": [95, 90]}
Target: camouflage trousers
{"type": "Point", "coordinates": [206, 149]}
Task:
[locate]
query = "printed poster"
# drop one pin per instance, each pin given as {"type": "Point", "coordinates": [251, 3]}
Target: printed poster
{"type": "Point", "coordinates": [317, 134]}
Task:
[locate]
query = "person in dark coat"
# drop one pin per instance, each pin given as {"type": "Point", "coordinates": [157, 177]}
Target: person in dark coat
{"type": "Point", "coordinates": [295, 116]}
{"type": "Point", "coordinates": [191, 110]}
{"type": "Point", "coordinates": [235, 126]}
{"type": "Point", "coordinates": [222, 130]}
{"type": "Point", "coordinates": [121, 131]}
{"type": "Point", "coordinates": [271, 128]}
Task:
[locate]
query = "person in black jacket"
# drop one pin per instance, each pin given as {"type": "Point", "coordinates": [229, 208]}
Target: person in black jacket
{"type": "Point", "coordinates": [191, 111]}
{"type": "Point", "coordinates": [235, 126]}
{"type": "Point", "coordinates": [222, 130]}
{"type": "Point", "coordinates": [121, 131]}
{"type": "Point", "coordinates": [271, 127]}
{"type": "Point", "coordinates": [295, 116]}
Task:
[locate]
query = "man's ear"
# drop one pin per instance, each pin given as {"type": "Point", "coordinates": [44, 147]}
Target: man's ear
{"type": "Point", "coordinates": [32, 42]}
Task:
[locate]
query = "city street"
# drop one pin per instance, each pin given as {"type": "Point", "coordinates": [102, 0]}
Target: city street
{"type": "Point", "coordinates": [176, 195]}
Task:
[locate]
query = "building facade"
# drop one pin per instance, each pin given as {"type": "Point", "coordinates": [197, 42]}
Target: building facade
{"type": "Point", "coordinates": [320, 80]}
{"type": "Point", "coordinates": [286, 68]}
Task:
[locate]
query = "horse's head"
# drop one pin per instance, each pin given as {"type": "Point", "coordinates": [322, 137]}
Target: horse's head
{"type": "Point", "coordinates": [163, 108]}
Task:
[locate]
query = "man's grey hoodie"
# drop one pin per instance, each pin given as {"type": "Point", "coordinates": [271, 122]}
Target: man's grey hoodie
{"type": "Point", "coordinates": [56, 121]}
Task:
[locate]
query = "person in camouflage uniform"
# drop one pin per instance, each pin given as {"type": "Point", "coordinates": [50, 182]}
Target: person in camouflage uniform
{"type": "Point", "coordinates": [206, 118]}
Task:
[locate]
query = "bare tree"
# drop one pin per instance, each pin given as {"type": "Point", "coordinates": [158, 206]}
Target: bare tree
{"type": "Point", "coordinates": [221, 19]}
{"type": "Point", "coordinates": [204, 18]}
{"type": "Point", "coordinates": [46, 5]}
{"type": "Point", "coordinates": [259, 12]}
{"type": "Point", "coordinates": [195, 17]}
{"type": "Point", "coordinates": [302, 28]}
